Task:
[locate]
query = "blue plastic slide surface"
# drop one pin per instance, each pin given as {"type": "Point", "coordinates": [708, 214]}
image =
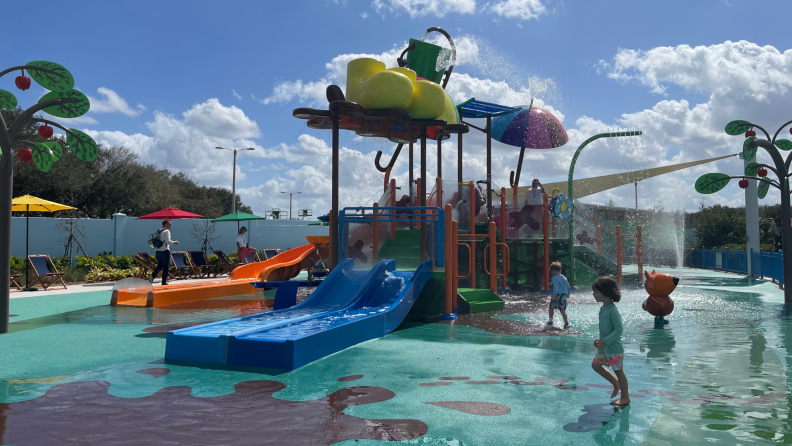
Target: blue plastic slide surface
{"type": "Point", "coordinates": [349, 307]}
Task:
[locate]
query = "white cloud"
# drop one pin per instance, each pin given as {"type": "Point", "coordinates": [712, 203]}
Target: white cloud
{"type": "Point", "coordinates": [420, 8]}
{"type": "Point", "coordinates": [225, 122]}
{"type": "Point", "coordinates": [519, 9]}
{"type": "Point", "coordinates": [364, 15]}
{"type": "Point", "coordinates": [236, 95]}
{"type": "Point", "coordinates": [113, 103]}
{"type": "Point", "coordinates": [188, 145]}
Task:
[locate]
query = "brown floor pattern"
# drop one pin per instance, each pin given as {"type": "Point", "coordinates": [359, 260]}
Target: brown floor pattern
{"type": "Point", "coordinates": [474, 407]}
{"type": "Point", "coordinates": [156, 372]}
{"type": "Point", "coordinates": [84, 413]}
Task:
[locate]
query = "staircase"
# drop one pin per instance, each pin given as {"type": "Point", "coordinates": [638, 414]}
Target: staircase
{"type": "Point", "coordinates": [405, 249]}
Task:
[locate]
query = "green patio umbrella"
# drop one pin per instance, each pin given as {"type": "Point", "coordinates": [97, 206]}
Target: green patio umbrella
{"type": "Point", "coordinates": [237, 217]}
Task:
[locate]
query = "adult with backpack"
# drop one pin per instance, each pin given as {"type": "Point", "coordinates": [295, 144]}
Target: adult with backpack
{"type": "Point", "coordinates": [161, 242]}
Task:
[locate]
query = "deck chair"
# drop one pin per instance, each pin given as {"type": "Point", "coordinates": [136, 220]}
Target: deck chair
{"type": "Point", "coordinates": [252, 257]}
{"type": "Point", "coordinates": [145, 267]}
{"type": "Point", "coordinates": [180, 265]}
{"type": "Point", "coordinates": [148, 257]}
{"type": "Point", "coordinates": [44, 275]}
{"type": "Point", "coordinates": [270, 253]}
{"type": "Point", "coordinates": [226, 265]}
{"type": "Point", "coordinates": [14, 277]}
{"type": "Point", "coordinates": [201, 267]}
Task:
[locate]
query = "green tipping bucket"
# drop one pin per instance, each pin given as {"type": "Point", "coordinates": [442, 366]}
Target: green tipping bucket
{"type": "Point", "coordinates": [423, 59]}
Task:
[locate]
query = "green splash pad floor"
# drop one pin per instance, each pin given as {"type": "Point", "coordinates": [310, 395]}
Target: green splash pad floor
{"type": "Point", "coordinates": [78, 369]}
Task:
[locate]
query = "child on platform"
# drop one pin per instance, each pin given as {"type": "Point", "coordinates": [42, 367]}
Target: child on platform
{"type": "Point", "coordinates": [560, 293]}
{"type": "Point", "coordinates": [609, 344]}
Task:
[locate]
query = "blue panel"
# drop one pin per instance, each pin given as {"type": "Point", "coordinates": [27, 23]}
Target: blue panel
{"type": "Point", "coordinates": [349, 307]}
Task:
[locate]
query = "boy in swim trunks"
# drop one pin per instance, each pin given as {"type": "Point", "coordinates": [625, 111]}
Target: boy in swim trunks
{"type": "Point", "coordinates": [561, 292]}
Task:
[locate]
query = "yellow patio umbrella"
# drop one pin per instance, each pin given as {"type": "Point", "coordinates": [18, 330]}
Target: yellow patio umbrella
{"type": "Point", "coordinates": [26, 204]}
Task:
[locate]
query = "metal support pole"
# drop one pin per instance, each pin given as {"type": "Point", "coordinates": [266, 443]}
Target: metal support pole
{"type": "Point", "coordinates": [455, 265]}
{"type": "Point", "coordinates": [459, 157]}
{"type": "Point", "coordinates": [448, 286]}
{"type": "Point", "coordinates": [233, 188]}
{"type": "Point", "coordinates": [334, 196]}
{"type": "Point", "coordinates": [411, 179]}
{"type": "Point", "coordinates": [504, 229]}
{"type": "Point", "coordinates": [639, 254]}
{"type": "Point", "coordinates": [440, 156]}
{"type": "Point", "coordinates": [422, 192]}
{"type": "Point", "coordinates": [636, 195]}
{"type": "Point", "coordinates": [375, 234]}
{"type": "Point", "coordinates": [489, 168]}
{"type": "Point", "coordinates": [546, 247]}
{"type": "Point", "coordinates": [472, 231]}
{"type": "Point", "coordinates": [393, 203]}
{"type": "Point", "coordinates": [493, 250]}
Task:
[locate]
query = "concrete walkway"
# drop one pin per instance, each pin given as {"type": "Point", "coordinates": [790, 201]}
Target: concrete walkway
{"type": "Point", "coordinates": [88, 287]}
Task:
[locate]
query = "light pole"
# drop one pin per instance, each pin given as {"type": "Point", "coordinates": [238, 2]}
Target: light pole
{"type": "Point", "coordinates": [290, 200]}
{"type": "Point", "coordinates": [233, 183]}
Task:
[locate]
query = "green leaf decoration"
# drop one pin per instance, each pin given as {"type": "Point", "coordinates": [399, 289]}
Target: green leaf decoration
{"type": "Point", "coordinates": [56, 149]}
{"type": "Point", "coordinates": [82, 145]}
{"type": "Point", "coordinates": [51, 75]}
{"type": "Point", "coordinates": [783, 144]}
{"type": "Point", "coordinates": [752, 169]}
{"type": "Point", "coordinates": [764, 186]}
{"type": "Point", "coordinates": [78, 104]}
{"type": "Point", "coordinates": [749, 153]}
{"type": "Point", "coordinates": [737, 127]}
{"type": "Point", "coordinates": [42, 157]}
{"type": "Point", "coordinates": [711, 183]}
{"type": "Point", "coordinates": [7, 100]}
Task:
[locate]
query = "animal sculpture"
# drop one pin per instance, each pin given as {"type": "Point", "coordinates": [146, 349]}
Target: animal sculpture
{"type": "Point", "coordinates": [659, 303]}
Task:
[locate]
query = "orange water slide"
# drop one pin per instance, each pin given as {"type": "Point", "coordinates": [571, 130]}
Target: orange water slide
{"type": "Point", "coordinates": [283, 266]}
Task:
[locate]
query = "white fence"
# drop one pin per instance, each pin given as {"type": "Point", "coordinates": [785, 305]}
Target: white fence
{"type": "Point", "coordinates": [125, 235]}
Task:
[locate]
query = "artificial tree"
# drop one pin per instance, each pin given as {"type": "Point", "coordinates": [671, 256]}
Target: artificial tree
{"type": "Point", "coordinates": [713, 182]}
{"type": "Point", "coordinates": [62, 101]}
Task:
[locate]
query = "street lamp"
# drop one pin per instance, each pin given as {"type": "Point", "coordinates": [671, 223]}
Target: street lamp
{"type": "Point", "coordinates": [290, 200]}
{"type": "Point", "coordinates": [233, 184]}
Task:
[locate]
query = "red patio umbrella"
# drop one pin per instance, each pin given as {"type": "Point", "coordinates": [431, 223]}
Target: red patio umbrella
{"type": "Point", "coordinates": [171, 213]}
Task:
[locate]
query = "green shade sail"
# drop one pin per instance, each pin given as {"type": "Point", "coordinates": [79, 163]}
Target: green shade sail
{"type": "Point", "coordinates": [238, 216]}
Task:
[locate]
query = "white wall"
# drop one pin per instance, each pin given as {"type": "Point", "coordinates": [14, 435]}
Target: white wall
{"type": "Point", "coordinates": [125, 235]}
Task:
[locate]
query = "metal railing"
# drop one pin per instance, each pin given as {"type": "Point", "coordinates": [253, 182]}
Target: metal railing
{"type": "Point", "coordinates": [413, 214]}
{"type": "Point", "coordinates": [764, 264]}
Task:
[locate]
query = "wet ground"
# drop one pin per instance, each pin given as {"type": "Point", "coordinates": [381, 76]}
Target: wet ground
{"type": "Point", "coordinates": [76, 370]}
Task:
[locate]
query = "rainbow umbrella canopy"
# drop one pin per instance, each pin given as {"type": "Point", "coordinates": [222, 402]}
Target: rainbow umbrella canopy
{"type": "Point", "coordinates": [529, 127]}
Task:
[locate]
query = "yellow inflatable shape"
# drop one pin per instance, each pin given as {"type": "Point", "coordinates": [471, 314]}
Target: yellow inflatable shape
{"type": "Point", "coordinates": [450, 114]}
{"type": "Point", "coordinates": [375, 88]}
{"type": "Point", "coordinates": [428, 101]}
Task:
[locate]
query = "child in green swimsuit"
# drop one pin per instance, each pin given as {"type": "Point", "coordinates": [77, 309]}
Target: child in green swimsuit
{"type": "Point", "coordinates": [609, 345]}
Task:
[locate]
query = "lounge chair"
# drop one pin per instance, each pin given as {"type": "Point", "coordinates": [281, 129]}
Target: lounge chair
{"type": "Point", "coordinates": [181, 267]}
{"type": "Point", "coordinates": [41, 267]}
{"type": "Point", "coordinates": [145, 267]}
{"type": "Point", "coordinates": [226, 265]}
{"type": "Point", "coordinates": [201, 267]}
{"type": "Point", "coordinates": [14, 282]}
{"type": "Point", "coordinates": [270, 253]}
{"type": "Point", "coordinates": [252, 257]}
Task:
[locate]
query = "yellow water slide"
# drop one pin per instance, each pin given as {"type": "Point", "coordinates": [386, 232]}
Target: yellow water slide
{"type": "Point", "coordinates": [283, 266]}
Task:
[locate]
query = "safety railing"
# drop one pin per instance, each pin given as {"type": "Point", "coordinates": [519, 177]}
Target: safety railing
{"type": "Point", "coordinates": [764, 264]}
{"type": "Point", "coordinates": [416, 214]}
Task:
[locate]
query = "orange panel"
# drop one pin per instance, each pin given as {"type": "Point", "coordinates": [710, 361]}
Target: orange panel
{"type": "Point", "coordinates": [284, 266]}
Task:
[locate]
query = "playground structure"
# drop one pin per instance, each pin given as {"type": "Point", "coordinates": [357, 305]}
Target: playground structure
{"type": "Point", "coordinates": [417, 254]}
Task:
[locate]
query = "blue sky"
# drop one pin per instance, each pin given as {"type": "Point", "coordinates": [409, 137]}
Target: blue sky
{"type": "Point", "coordinates": [172, 79]}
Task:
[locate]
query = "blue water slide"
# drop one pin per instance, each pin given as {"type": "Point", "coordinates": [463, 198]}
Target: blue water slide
{"type": "Point", "coordinates": [349, 307]}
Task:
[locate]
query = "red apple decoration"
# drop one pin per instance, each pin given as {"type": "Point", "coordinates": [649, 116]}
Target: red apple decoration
{"type": "Point", "coordinates": [744, 184]}
{"type": "Point", "coordinates": [750, 133]}
{"type": "Point", "coordinates": [762, 172]}
{"type": "Point", "coordinates": [25, 155]}
{"type": "Point", "coordinates": [45, 131]}
{"type": "Point", "coordinates": [22, 82]}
